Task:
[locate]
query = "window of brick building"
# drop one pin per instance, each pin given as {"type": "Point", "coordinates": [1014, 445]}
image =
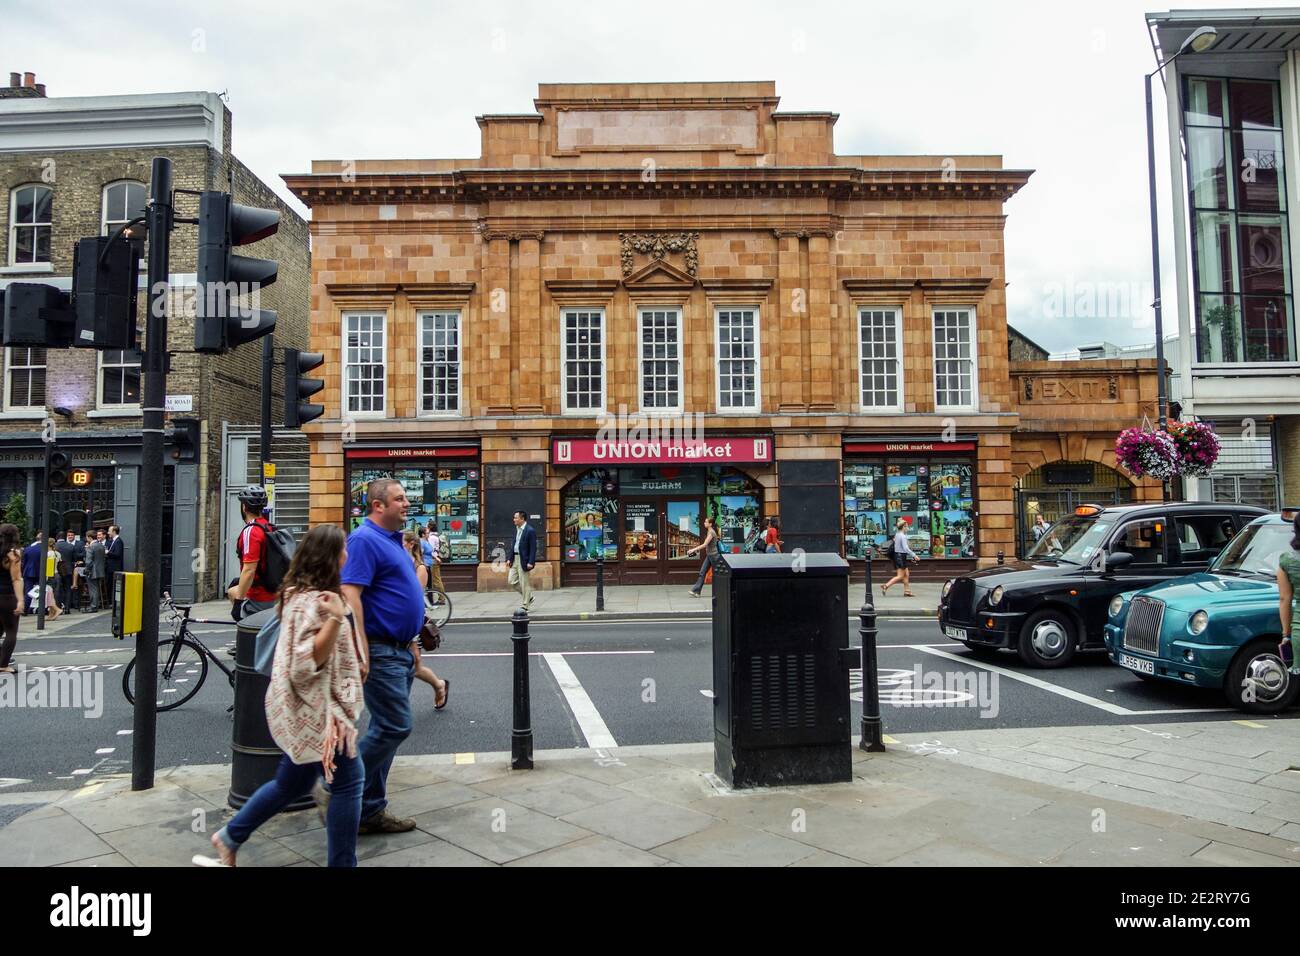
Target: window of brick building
{"type": "Point", "coordinates": [954, 359]}
{"type": "Point", "coordinates": [119, 378]}
{"type": "Point", "coordinates": [31, 217]}
{"type": "Point", "coordinates": [440, 363]}
{"type": "Point", "coordinates": [364, 363]}
{"type": "Point", "coordinates": [123, 202]}
{"type": "Point", "coordinates": [584, 360]}
{"type": "Point", "coordinates": [24, 379]}
{"type": "Point", "coordinates": [738, 378]}
{"type": "Point", "coordinates": [880, 358]}
{"type": "Point", "coordinates": [661, 359]}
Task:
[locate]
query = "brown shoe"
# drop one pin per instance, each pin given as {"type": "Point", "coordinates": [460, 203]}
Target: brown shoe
{"type": "Point", "coordinates": [385, 822]}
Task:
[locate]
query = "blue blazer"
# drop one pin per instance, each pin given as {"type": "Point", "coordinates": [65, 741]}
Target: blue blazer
{"type": "Point", "coordinates": [32, 562]}
{"type": "Point", "coordinates": [527, 548]}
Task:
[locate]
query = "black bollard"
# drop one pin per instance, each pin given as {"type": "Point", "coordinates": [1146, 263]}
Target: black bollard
{"type": "Point", "coordinates": [521, 737]}
{"type": "Point", "coordinates": [600, 579]}
{"type": "Point", "coordinates": [1001, 558]}
{"type": "Point", "coordinates": [872, 733]}
{"type": "Point", "coordinates": [867, 575]}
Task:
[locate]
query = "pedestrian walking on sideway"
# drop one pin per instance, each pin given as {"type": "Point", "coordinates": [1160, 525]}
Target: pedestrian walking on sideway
{"type": "Point", "coordinates": [772, 537]}
{"type": "Point", "coordinates": [710, 548]}
{"type": "Point", "coordinates": [522, 558]}
{"type": "Point", "coordinates": [11, 594]}
{"type": "Point", "coordinates": [423, 672]}
{"type": "Point", "coordinates": [96, 574]}
{"type": "Point", "coordinates": [902, 554]}
{"type": "Point", "coordinates": [1288, 587]}
{"type": "Point", "coordinates": [31, 570]}
{"type": "Point", "coordinates": [381, 587]}
{"type": "Point", "coordinates": [313, 703]}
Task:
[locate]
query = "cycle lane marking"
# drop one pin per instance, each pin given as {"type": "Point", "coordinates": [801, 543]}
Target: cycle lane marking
{"type": "Point", "coordinates": [1074, 695]}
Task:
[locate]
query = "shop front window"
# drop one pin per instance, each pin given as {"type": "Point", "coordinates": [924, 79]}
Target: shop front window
{"type": "Point", "coordinates": [591, 517]}
{"type": "Point", "coordinates": [935, 499]}
{"type": "Point", "coordinates": [446, 494]}
{"type": "Point", "coordinates": [734, 501]}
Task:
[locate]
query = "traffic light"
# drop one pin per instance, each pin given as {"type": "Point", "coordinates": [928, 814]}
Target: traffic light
{"type": "Point", "coordinates": [37, 314]}
{"type": "Point", "coordinates": [296, 388]}
{"type": "Point", "coordinates": [105, 276]}
{"type": "Point", "coordinates": [58, 467]}
{"type": "Point", "coordinates": [221, 322]}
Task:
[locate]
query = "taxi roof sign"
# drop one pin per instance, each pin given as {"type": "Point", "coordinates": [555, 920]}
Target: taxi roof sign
{"type": "Point", "coordinates": [1085, 511]}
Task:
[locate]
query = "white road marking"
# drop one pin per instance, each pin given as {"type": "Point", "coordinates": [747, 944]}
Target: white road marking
{"type": "Point", "coordinates": [584, 711]}
{"type": "Point", "coordinates": [125, 733]}
{"type": "Point", "coordinates": [543, 653]}
{"type": "Point", "coordinates": [81, 773]}
{"type": "Point", "coordinates": [1065, 692]}
{"type": "Point", "coordinates": [12, 782]}
{"type": "Point", "coordinates": [105, 750]}
{"type": "Point", "coordinates": [709, 694]}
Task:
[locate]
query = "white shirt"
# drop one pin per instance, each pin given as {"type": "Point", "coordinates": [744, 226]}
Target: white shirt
{"type": "Point", "coordinates": [519, 535]}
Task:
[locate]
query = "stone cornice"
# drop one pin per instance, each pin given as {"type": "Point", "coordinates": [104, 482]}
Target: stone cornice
{"type": "Point", "coordinates": [480, 185]}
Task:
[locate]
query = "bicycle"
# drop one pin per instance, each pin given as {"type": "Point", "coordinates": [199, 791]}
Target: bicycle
{"type": "Point", "coordinates": [437, 606]}
{"type": "Point", "coordinates": [182, 660]}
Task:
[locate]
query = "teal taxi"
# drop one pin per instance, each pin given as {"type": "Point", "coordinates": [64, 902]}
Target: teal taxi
{"type": "Point", "coordinates": [1219, 628]}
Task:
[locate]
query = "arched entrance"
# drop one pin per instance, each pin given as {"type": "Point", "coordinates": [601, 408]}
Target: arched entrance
{"type": "Point", "coordinates": [1055, 490]}
{"type": "Point", "coordinates": [644, 520]}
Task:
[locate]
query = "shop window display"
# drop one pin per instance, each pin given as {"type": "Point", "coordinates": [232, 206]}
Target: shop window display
{"type": "Point", "coordinates": [445, 494]}
{"type": "Point", "coordinates": [591, 517]}
{"type": "Point", "coordinates": [733, 501]}
{"type": "Point", "coordinates": [934, 499]}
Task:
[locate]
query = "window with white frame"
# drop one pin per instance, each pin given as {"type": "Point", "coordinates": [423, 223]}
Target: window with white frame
{"type": "Point", "coordinates": [364, 362]}
{"type": "Point", "coordinates": [31, 219]}
{"type": "Point", "coordinates": [123, 202]}
{"type": "Point", "coordinates": [954, 358]}
{"type": "Point", "coordinates": [584, 360]}
{"type": "Point", "coordinates": [880, 358]}
{"type": "Point", "coordinates": [661, 359]}
{"type": "Point", "coordinates": [119, 378]}
{"type": "Point", "coordinates": [440, 363]}
{"type": "Point", "coordinates": [24, 379]}
{"type": "Point", "coordinates": [738, 387]}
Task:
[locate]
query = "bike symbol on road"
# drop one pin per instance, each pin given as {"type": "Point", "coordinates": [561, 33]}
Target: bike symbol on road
{"type": "Point", "coordinates": [898, 687]}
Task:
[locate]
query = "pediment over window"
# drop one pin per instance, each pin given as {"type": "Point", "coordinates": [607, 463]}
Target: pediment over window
{"type": "Point", "coordinates": [659, 275]}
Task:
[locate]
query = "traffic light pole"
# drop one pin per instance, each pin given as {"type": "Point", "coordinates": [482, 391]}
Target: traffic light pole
{"type": "Point", "coordinates": [268, 363]}
{"type": "Point", "coordinates": [43, 572]}
{"type": "Point", "coordinates": [159, 215]}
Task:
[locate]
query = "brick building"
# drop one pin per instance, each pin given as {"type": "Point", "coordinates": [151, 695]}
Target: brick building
{"type": "Point", "coordinates": [827, 332]}
{"type": "Point", "coordinates": [74, 167]}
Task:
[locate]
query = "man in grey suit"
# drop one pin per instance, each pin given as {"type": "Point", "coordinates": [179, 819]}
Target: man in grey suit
{"type": "Point", "coordinates": [96, 572]}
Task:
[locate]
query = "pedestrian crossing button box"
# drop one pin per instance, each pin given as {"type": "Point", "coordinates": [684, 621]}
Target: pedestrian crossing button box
{"type": "Point", "coordinates": [128, 603]}
{"type": "Point", "coordinates": [781, 661]}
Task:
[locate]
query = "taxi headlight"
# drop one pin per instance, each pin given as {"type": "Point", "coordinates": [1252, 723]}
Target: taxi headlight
{"type": "Point", "coordinates": [1198, 622]}
{"type": "Point", "coordinates": [995, 596]}
{"type": "Point", "coordinates": [1116, 605]}
{"type": "Point", "coordinates": [947, 586]}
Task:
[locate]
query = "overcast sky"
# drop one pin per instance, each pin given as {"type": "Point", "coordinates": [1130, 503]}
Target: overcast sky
{"type": "Point", "coordinates": [1052, 87]}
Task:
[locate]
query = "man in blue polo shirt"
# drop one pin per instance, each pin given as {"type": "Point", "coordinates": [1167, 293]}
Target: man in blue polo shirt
{"type": "Point", "coordinates": [380, 586]}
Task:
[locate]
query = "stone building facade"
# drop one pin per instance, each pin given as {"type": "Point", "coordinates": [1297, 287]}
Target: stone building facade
{"type": "Point", "coordinates": [826, 333]}
{"type": "Point", "coordinates": [93, 156]}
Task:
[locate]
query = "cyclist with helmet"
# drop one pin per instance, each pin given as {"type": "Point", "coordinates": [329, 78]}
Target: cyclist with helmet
{"type": "Point", "coordinates": [250, 593]}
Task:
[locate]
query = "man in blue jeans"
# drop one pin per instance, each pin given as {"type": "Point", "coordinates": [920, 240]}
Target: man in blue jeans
{"type": "Point", "coordinates": [381, 588]}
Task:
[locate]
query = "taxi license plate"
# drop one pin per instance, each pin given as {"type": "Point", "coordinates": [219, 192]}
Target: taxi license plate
{"type": "Point", "coordinates": [1137, 664]}
{"type": "Point", "coordinates": [956, 633]}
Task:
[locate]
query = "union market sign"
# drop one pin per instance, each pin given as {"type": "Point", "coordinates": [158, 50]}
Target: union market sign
{"type": "Point", "coordinates": [594, 451]}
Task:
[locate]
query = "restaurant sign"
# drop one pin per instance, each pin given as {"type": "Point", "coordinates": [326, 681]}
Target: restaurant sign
{"type": "Point", "coordinates": [691, 451]}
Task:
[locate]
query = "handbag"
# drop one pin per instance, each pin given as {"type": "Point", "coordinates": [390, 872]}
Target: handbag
{"type": "Point", "coordinates": [430, 636]}
{"type": "Point", "coordinates": [264, 647]}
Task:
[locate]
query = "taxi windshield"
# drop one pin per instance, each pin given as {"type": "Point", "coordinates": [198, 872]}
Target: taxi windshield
{"type": "Point", "coordinates": [1255, 550]}
{"type": "Point", "coordinates": [1073, 540]}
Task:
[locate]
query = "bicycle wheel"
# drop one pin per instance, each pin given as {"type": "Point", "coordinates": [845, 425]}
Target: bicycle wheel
{"type": "Point", "coordinates": [437, 607]}
{"type": "Point", "coordinates": [182, 668]}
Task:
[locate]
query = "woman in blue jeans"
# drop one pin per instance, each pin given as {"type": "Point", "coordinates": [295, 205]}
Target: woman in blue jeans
{"type": "Point", "coordinates": [313, 703]}
{"type": "Point", "coordinates": [710, 548]}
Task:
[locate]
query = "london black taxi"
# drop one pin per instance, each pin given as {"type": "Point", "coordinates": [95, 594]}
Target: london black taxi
{"type": "Point", "coordinates": [1055, 602]}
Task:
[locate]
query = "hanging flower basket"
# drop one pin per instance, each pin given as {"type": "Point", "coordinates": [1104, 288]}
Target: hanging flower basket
{"type": "Point", "coordinates": [1147, 454]}
{"type": "Point", "coordinates": [1197, 446]}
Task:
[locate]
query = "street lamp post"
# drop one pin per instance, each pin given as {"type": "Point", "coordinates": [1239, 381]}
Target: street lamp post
{"type": "Point", "coordinates": [1200, 40]}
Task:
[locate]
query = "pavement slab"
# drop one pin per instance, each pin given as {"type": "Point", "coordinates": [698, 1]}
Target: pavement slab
{"type": "Point", "coordinates": [55, 839]}
{"type": "Point", "coordinates": [499, 830]}
{"type": "Point", "coordinates": [725, 844]}
{"type": "Point", "coordinates": [640, 822]}
{"type": "Point", "coordinates": [592, 851]}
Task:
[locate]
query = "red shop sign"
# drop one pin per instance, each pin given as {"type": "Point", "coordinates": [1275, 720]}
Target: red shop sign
{"type": "Point", "coordinates": [694, 451]}
{"type": "Point", "coordinates": [412, 453]}
{"type": "Point", "coordinates": [907, 447]}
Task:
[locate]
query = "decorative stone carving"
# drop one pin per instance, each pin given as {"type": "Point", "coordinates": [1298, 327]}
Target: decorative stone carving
{"type": "Point", "coordinates": [1029, 388]}
{"type": "Point", "coordinates": [1112, 386]}
{"type": "Point", "coordinates": [657, 246]}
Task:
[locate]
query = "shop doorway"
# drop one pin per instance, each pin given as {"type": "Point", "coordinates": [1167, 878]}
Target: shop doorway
{"type": "Point", "coordinates": [1055, 490]}
{"type": "Point", "coordinates": [657, 533]}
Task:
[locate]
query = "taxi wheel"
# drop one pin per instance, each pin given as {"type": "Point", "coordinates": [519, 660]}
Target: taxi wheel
{"type": "Point", "coordinates": [1048, 640]}
{"type": "Point", "coordinates": [1257, 681]}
